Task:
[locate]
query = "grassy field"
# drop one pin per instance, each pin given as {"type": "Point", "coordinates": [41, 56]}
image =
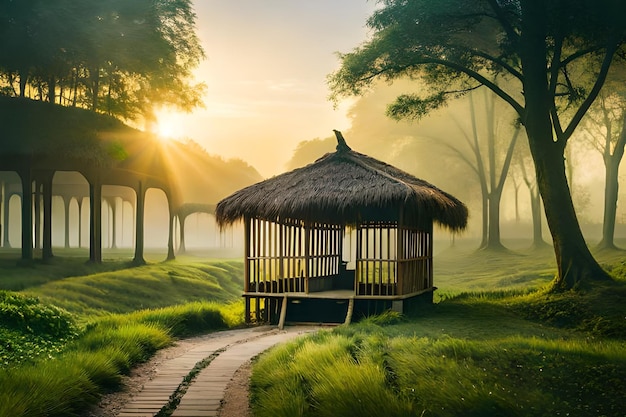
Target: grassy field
{"type": "Point", "coordinates": [74, 328]}
{"type": "Point", "coordinates": [496, 344]}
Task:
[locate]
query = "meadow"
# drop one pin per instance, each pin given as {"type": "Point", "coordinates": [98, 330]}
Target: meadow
{"type": "Point", "coordinates": [495, 343]}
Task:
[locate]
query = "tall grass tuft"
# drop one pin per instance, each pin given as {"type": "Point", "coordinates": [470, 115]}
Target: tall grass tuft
{"type": "Point", "coordinates": [53, 388]}
{"type": "Point", "coordinates": [325, 375]}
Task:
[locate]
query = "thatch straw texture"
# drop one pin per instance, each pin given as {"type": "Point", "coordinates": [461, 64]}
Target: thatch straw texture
{"type": "Point", "coordinates": [344, 187]}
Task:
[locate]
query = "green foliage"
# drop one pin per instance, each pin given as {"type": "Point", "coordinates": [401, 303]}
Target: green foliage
{"type": "Point", "coordinates": [116, 57]}
{"type": "Point", "coordinates": [28, 313]}
{"type": "Point", "coordinates": [117, 151]}
{"type": "Point", "coordinates": [31, 329]}
{"type": "Point", "coordinates": [18, 347]}
{"type": "Point", "coordinates": [411, 106]}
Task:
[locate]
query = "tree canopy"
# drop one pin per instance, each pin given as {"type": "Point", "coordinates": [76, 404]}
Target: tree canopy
{"type": "Point", "coordinates": [117, 57]}
{"type": "Point", "coordinates": [548, 59]}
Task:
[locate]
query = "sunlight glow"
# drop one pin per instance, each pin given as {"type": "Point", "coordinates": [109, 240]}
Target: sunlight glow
{"type": "Point", "coordinates": [169, 125]}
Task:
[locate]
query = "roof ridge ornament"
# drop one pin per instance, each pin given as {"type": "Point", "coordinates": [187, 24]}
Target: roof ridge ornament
{"type": "Point", "coordinates": [342, 146]}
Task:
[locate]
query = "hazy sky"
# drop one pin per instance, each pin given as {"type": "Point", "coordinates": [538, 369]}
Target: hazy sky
{"type": "Point", "coordinates": [265, 71]}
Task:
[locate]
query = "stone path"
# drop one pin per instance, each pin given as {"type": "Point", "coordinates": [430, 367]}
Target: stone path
{"type": "Point", "coordinates": [196, 389]}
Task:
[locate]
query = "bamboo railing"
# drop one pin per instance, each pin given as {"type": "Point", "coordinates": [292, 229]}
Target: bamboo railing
{"type": "Point", "coordinates": [284, 257]}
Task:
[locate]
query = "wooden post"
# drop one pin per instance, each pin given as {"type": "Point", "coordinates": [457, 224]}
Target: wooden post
{"type": "Point", "coordinates": [357, 259]}
{"type": "Point", "coordinates": [429, 254]}
{"type": "Point", "coordinates": [307, 255]}
{"type": "Point", "coordinates": [246, 265]}
{"type": "Point", "coordinates": [283, 313]}
{"type": "Point", "coordinates": [400, 254]}
{"type": "Point", "coordinates": [350, 311]}
{"type": "Point", "coordinates": [247, 317]}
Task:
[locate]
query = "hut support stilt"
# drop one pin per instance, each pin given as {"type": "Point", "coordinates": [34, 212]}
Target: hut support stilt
{"type": "Point", "coordinates": [283, 314]}
{"type": "Point", "coordinates": [350, 311]}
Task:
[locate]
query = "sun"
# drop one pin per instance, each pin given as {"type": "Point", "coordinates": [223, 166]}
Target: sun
{"type": "Point", "coordinates": [169, 125]}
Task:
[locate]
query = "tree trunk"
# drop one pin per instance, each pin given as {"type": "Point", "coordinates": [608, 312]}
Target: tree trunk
{"type": "Point", "coordinates": [95, 88]}
{"type": "Point", "coordinates": [575, 264]}
{"type": "Point", "coordinates": [611, 188]}
{"type": "Point", "coordinates": [485, 235]}
{"type": "Point", "coordinates": [23, 82]}
{"type": "Point", "coordinates": [535, 208]}
{"type": "Point", "coordinates": [182, 248]}
{"type": "Point", "coordinates": [610, 205]}
{"type": "Point", "coordinates": [27, 214]}
{"type": "Point", "coordinates": [52, 86]}
{"type": "Point", "coordinates": [493, 241]}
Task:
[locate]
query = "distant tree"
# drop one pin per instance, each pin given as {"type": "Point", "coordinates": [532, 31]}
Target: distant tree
{"type": "Point", "coordinates": [483, 161]}
{"type": "Point", "coordinates": [605, 130]}
{"type": "Point", "coordinates": [551, 58]}
{"type": "Point", "coordinates": [523, 166]}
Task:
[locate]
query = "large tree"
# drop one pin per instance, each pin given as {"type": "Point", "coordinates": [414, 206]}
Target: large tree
{"type": "Point", "coordinates": [551, 58]}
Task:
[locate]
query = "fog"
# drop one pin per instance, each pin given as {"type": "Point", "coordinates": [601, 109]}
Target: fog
{"type": "Point", "coordinates": [424, 148]}
{"type": "Point", "coordinates": [434, 149]}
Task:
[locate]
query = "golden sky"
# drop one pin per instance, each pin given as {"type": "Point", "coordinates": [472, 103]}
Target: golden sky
{"type": "Point", "coordinates": [265, 71]}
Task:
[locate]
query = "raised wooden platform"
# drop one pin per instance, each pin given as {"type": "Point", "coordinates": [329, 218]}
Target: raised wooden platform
{"type": "Point", "coordinates": [334, 295]}
{"type": "Point", "coordinates": [340, 304]}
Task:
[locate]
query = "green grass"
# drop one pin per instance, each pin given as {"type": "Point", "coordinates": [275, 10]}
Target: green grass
{"type": "Point", "coordinates": [443, 366]}
{"type": "Point", "coordinates": [16, 275]}
{"type": "Point", "coordinates": [149, 286]}
{"type": "Point", "coordinates": [501, 353]}
{"type": "Point", "coordinates": [67, 338]}
{"type": "Point", "coordinates": [495, 344]}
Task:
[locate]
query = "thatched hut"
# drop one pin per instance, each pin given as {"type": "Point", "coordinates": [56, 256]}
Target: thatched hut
{"type": "Point", "coordinates": [302, 227]}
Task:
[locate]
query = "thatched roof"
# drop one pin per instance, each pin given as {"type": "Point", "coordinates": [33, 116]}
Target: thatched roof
{"type": "Point", "coordinates": [344, 187]}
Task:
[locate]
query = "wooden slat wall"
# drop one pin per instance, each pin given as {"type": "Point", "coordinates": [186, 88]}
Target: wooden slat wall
{"type": "Point", "coordinates": [281, 256]}
{"type": "Point", "coordinates": [415, 260]}
{"type": "Point", "coordinates": [325, 254]}
{"type": "Point", "coordinates": [376, 259]}
{"type": "Point", "coordinates": [392, 261]}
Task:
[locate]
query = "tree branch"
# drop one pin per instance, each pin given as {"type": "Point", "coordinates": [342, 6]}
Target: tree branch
{"type": "Point", "coordinates": [501, 17]}
{"type": "Point", "coordinates": [507, 160]}
{"type": "Point", "coordinates": [604, 69]}
{"type": "Point", "coordinates": [499, 62]}
{"type": "Point", "coordinates": [480, 78]}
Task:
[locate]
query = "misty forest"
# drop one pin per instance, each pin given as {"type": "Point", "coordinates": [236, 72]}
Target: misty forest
{"type": "Point", "coordinates": [459, 250]}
